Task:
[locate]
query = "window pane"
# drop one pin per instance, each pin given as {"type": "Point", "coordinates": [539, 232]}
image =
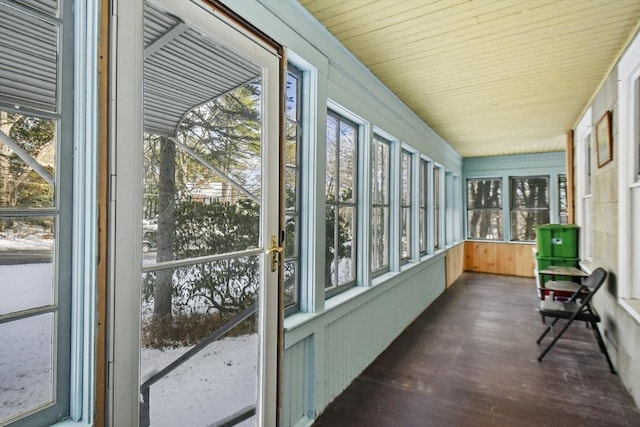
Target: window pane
{"type": "Point", "coordinates": [562, 195]}
{"type": "Point", "coordinates": [347, 161]}
{"type": "Point", "coordinates": [30, 68]}
{"type": "Point", "coordinates": [331, 181]}
{"type": "Point", "coordinates": [380, 173]}
{"type": "Point", "coordinates": [380, 205]}
{"type": "Point", "coordinates": [484, 193]}
{"type": "Point", "coordinates": [405, 211]}
{"type": "Point", "coordinates": [292, 88]}
{"type": "Point", "coordinates": [291, 150]}
{"type": "Point", "coordinates": [27, 161]}
{"type": "Point", "coordinates": [202, 189]}
{"type": "Point", "coordinates": [290, 233]}
{"type": "Point", "coordinates": [340, 215]}
{"type": "Point", "coordinates": [587, 183]}
{"type": "Point", "coordinates": [347, 251]}
{"type": "Point", "coordinates": [290, 280]}
{"type": "Point", "coordinates": [292, 186]}
{"type": "Point", "coordinates": [222, 378]}
{"type": "Point", "coordinates": [423, 206]}
{"type": "Point", "coordinates": [379, 238]}
{"type": "Point", "coordinates": [331, 255]}
{"type": "Point", "coordinates": [26, 263]}
{"type": "Point", "coordinates": [405, 233]}
{"type": "Point", "coordinates": [436, 207]}
{"type": "Point", "coordinates": [484, 224]}
{"type": "Point", "coordinates": [290, 189]}
{"type": "Point", "coordinates": [530, 206]}
{"type": "Point", "coordinates": [406, 178]}
{"type": "Point", "coordinates": [484, 209]}
{"type": "Point", "coordinates": [26, 365]}
{"type": "Point", "coordinates": [422, 236]}
{"type": "Point", "coordinates": [524, 223]}
{"type": "Point", "coordinates": [532, 192]}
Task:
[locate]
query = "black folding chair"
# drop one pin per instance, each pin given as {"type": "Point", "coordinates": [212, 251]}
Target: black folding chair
{"type": "Point", "coordinates": [577, 308]}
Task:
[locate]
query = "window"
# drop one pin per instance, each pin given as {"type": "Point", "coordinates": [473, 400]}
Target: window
{"type": "Point", "coordinates": [380, 163]}
{"type": "Point", "coordinates": [529, 206]}
{"type": "Point", "coordinates": [436, 207]}
{"type": "Point", "coordinates": [562, 198]}
{"type": "Point", "coordinates": [405, 206]}
{"type": "Point", "coordinates": [36, 211]}
{"type": "Point", "coordinates": [422, 207]}
{"type": "Point", "coordinates": [341, 206]}
{"type": "Point", "coordinates": [484, 209]}
{"type": "Point", "coordinates": [293, 113]}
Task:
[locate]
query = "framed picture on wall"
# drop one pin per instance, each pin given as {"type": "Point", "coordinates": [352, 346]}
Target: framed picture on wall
{"type": "Point", "coordinates": [604, 140]}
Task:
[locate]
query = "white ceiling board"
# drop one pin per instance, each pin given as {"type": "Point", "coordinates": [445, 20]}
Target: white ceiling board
{"type": "Point", "coordinates": [492, 77]}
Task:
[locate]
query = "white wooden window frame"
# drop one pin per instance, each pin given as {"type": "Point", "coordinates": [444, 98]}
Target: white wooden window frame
{"type": "Point", "coordinates": [410, 205]}
{"type": "Point", "coordinates": [583, 150]}
{"type": "Point", "coordinates": [628, 146]}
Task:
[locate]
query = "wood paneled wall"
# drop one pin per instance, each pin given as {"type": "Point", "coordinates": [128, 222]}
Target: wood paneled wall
{"type": "Point", "coordinates": [514, 259]}
{"type": "Point", "coordinates": [454, 263]}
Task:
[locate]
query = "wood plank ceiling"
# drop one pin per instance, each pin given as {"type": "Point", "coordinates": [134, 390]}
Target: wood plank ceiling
{"type": "Point", "coordinates": [492, 77]}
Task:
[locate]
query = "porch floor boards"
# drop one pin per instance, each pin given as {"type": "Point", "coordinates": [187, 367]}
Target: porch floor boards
{"type": "Point", "coordinates": [470, 359]}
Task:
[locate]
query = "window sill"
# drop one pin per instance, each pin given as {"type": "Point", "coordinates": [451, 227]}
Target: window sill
{"type": "Point", "coordinates": [382, 278]}
{"type": "Point", "coordinates": [510, 242]}
{"type": "Point", "coordinates": [632, 306]}
{"type": "Point", "coordinates": [585, 265]}
{"type": "Point", "coordinates": [69, 423]}
{"type": "Point", "coordinates": [299, 319]}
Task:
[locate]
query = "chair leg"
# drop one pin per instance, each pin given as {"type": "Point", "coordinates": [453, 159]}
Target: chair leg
{"type": "Point", "coordinates": [547, 330]}
{"type": "Point", "coordinates": [603, 347]}
{"type": "Point", "coordinates": [555, 339]}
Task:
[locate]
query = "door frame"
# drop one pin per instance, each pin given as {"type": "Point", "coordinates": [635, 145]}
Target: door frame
{"type": "Point", "coordinates": [125, 201]}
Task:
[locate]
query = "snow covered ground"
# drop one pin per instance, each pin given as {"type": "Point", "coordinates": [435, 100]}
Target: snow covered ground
{"type": "Point", "coordinates": [215, 383]}
{"type": "Point", "coordinates": [24, 241]}
{"type": "Point", "coordinates": [212, 385]}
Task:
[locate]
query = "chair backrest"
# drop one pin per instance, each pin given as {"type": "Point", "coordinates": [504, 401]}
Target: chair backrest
{"type": "Point", "coordinates": [594, 281]}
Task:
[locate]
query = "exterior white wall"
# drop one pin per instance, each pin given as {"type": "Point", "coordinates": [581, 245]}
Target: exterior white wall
{"type": "Point", "coordinates": [610, 228]}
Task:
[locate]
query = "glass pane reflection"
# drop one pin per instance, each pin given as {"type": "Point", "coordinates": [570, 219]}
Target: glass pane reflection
{"type": "Point", "coordinates": [26, 365]}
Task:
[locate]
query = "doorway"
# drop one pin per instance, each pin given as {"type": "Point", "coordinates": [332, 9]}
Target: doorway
{"type": "Point", "coordinates": [205, 200]}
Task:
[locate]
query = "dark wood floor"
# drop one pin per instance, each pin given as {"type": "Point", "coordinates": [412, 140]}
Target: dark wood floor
{"type": "Point", "coordinates": [471, 360]}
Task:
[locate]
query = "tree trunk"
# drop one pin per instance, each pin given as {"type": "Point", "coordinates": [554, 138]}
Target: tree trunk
{"type": "Point", "coordinates": [166, 227]}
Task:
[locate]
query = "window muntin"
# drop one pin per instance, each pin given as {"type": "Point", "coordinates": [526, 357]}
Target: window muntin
{"type": "Point", "coordinates": [422, 207]}
{"type": "Point", "coordinates": [406, 172]}
{"type": "Point", "coordinates": [484, 209]}
{"type": "Point", "coordinates": [341, 205]}
{"type": "Point", "coordinates": [529, 206]}
{"type": "Point", "coordinates": [380, 205]}
{"type": "Point", "coordinates": [293, 113]}
{"type": "Point", "coordinates": [436, 207]}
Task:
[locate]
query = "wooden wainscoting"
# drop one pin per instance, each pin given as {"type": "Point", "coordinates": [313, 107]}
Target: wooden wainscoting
{"type": "Point", "coordinates": [515, 259]}
{"type": "Point", "coordinates": [454, 263]}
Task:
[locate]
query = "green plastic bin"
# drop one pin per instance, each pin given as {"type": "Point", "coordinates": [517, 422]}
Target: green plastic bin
{"type": "Point", "coordinates": [557, 241]}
